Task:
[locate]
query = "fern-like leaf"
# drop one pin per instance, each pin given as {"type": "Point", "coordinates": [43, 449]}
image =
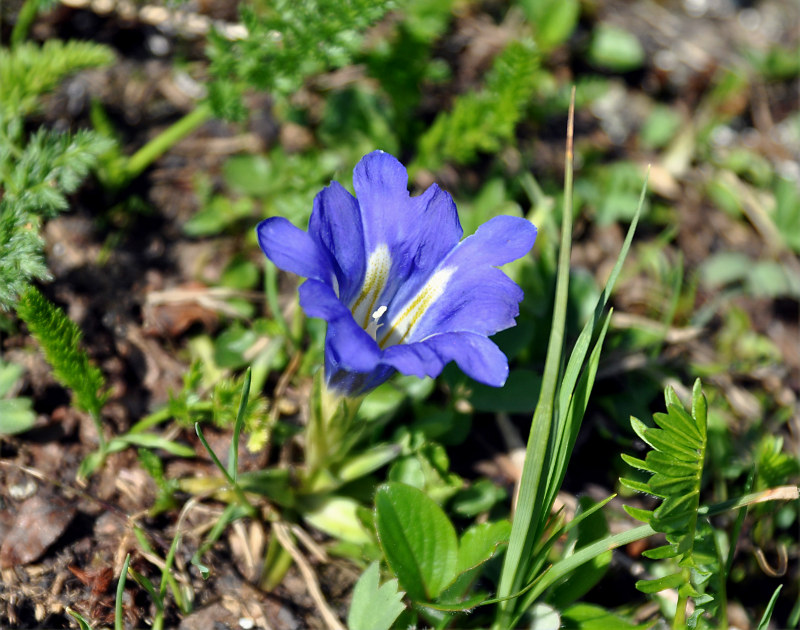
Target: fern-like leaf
{"type": "Point", "coordinates": [27, 71]}
{"type": "Point", "coordinates": [483, 121]}
{"type": "Point", "coordinates": [675, 466]}
{"type": "Point", "coordinates": [286, 42]}
{"type": "Point", "coordinates": [60, 338]}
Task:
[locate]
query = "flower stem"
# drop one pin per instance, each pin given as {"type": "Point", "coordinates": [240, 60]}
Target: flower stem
{"type": "Point", "coordinates": [25, 18]}
{"type": "Point", "coordinates": [164, 141]}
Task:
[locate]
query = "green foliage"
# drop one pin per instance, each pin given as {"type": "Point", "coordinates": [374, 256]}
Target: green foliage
{"type": "Point", "coordinates": [422, 549]}
{"type": "Point", "coordinates": [16, 414]}
{"type": "Point", "coordinates": [165, 497]}
{"type": "Point", "coordinates": [217, 403]}
{"type": "Point", "coordinates": [60, 338]}
{"type": "Point", "coordinates": [676, 466]}
{"type": "Point", "coordinates": [483, 121]}
{"type": "Point", "coordinates": [49, 167]}
{"type": "Point", "coordinates": [553, 21]}
{"type": "Point", "coordinates": [615, 49]}
{"type": "Point", "coordinates": [286, 42]}
{"type": "Point", "coordinates": [37, 172]}
{"type": "Point", "coordinates": [22, 252]}
{"type": "Point", "coordinates": [28, 71]}
{"type": "Point", "coordinates": [374, 607]}
{"type": "Point", "coordinates": [36, 177]}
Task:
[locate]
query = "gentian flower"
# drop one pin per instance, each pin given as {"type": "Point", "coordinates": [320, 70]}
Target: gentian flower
{"type": "Point", "coordinates": [398, 287]}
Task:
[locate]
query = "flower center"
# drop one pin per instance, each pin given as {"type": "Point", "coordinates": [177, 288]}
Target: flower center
{"type": "Point", "coordinates": [379, 264]}
{"type": "Point", "coordinates": [404, 323]}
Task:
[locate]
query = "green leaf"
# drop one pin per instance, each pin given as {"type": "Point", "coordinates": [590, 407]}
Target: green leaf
{"type": "Point", "coordinates": [553, 21]}
{"type": "Point", "coordinates": [591, 617]}
{"type": "Point", "coordinates": [338, 517]}
{"type": "Point", "coordinates": [661, 584]}
{"type": "Point", "coordinates": [638, 486]}
{"type": "Point", "coordinates": [765, 619]}
{"type": "Point", "coordinates": [150, 440]}
{"type": "Point", "coordinates": [60, 339]}
{"type": "Point", "coordinates": [590, 530]}
{"type": "Point", "coordinates": [479, 497]}
{"type": "Point", "coordinates": [639, 514]}
{"type": "Point", "coordinates": [16, 415]}
{"type": "Point", "coordinates": [518, 395]}
{"type": "Point", "coordinates": [83, 624]}
{"type": "Point", "coordinates": [662, 552]}
{"type": "Point", "coordinates": [374, 607]}
{"type": "Point", "coordinates": [9, 375]}
{"type": "Point", "coordinates": [615, 49]}
{"type": "Point", "coordinates": [480, 543]}
{"type": "Point", "coordinates": [418, 540]}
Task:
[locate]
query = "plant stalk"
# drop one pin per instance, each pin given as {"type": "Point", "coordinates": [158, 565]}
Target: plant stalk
{"type": "Point", "coordinates": [164, 141]}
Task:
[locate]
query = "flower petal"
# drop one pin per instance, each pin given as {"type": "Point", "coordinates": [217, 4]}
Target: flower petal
{"type": "Point", "coordinates": [335, 226]}
{"type": "Point", "coordinates": [346, 343]}
{"type": "Point", "coordinates": [477, 356]}
{"type": "Point", "coordinates": [418, 231]}
{"type": "Point", "coordinates": [476, 297]}
{"type": "Point", "coordinates": [293, 250]}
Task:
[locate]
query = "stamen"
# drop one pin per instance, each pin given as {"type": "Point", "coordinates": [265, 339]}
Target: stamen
{"type": "Point", "coordinates": [372, 327]}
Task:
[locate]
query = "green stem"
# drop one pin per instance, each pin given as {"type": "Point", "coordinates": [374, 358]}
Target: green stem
{"type": "Point", "coordinates": [25, 18]}
{"type": "Point", "coordinates": [164, 141]}
{"type": "Point", "coordinates": [101, 438]}
{"type": "Point", "coordinates": [276, 564]}
{"type": "Point", "coordinates": [271, 289]}
{"type": "Point", "coordinates": [679, 621]}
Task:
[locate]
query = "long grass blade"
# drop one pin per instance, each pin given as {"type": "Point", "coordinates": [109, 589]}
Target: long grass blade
{"type": "Point", "coordinates": [527, 520]}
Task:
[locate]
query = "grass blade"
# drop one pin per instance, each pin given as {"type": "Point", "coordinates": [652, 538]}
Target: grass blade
{"type": "Point", "coordinates": [119, 623]}
{"type": "Point", "coordinates": [527, 521]}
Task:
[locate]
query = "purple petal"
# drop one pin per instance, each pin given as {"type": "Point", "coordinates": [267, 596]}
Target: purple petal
{"type": "Point", "coordinates": [478, 357]}
{"type": "Point", "coordinates": [418, 231]}
{"type": "Point", "coordinates": [293, 250]}
{"type": "Point", "coordinates": [497, 242]}
{"type": "Point", "coordinates": [335, 226]}
{"type": "Point", "coordinates": [347, 343]}
{"type": "Point", "coordinates": [478, 297]}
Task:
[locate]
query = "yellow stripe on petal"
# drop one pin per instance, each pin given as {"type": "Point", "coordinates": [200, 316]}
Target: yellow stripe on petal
{"type": "Point", "coordinates": [402, 325]}
{"type": "Point", "coordinates": [379, 264]}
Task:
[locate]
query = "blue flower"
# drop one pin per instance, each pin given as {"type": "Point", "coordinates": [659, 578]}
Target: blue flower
{"type": "Point", "coordinates": [398, 287]}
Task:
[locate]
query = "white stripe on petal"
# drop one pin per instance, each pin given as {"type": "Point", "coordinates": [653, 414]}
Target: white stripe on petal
{"type": "Point", "coordinates": [403, 324]}
{"type": "Point", "coordinates": [379, 264]}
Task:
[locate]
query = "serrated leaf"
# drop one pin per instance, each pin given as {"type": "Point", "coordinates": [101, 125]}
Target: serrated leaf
{"type": "Point", "coordinates": [680, 423]}
{"type": "Point", "coordinates": [673, 580]}
{"type": "Point", "coordinates": [637, 463]}
{"type": "Point", "coordinates": [666, 464]}
{"type": "Point", "coordinates": [665, 484]}
{"type": "Point", "coordinates": [639, 514]}
{"type": "Point", "coordinates": [641, 429]}
{"type": "Point", "coordinates": [663, 441]}
{"type": "Point", "coordinates": [418, 540]}
{"type": "Point", "coordinates": [699, 405]}
{"type": "Point", "coordinates": [638, 486]}
{"type": "Point", "coordinates": [662, 552]}
{"type": "Point", "coordinates": [374, 607]}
